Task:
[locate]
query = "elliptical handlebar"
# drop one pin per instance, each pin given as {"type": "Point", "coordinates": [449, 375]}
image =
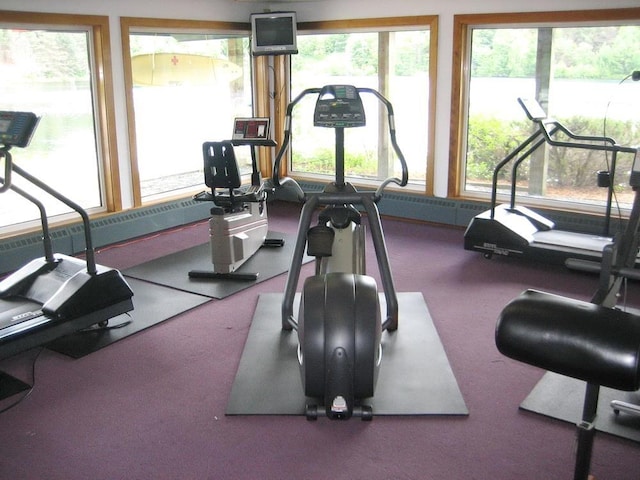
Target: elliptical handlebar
{"type": "Point", "coordinates": [401, 182]}
{"type": "Point", "coordinates": [278, 181]}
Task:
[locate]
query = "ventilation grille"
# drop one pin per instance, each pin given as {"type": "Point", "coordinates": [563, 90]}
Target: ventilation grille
{"type": "Point", "coordinates": [133, 215]}
{"type": "Point", "coordinates": [69, 240]}
{"type": "Point", "coordinates": [31, 240]}
{"type": "Point", "coordinates": [426, 201]}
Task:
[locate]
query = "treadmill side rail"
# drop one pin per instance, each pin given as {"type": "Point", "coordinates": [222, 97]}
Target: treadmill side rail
{"type": "Point", "coordinates": [20, 280]}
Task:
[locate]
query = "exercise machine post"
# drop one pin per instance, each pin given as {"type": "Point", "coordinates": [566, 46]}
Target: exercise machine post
{"type": "Point", "coordinates": [339, 322]}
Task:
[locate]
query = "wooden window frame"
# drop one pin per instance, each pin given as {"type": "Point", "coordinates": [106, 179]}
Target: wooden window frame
{"type": "Point", "coordinates": [388, 23]}
{"type": "Point", "coordinates": [127, 24]}
{"type": "Point", "coordinates": [461, 68]}
{"type": "Point", "coordinates": [104, 110]}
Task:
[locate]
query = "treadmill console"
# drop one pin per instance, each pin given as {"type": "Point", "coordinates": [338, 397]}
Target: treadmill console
{"type": "Point", "coordinates": [532, 108]}
{"type": "Point", "coordinates": [339, 106]}
{"type": "Point", "coordinates": [16, 128]}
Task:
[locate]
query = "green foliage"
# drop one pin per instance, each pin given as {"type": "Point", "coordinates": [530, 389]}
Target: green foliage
{"type": "Point", "coordinates": [55, 56]}
{"type": "Point", "coordinates": [322, 161]}
{"type": "Point", "coordinates": [412, 52]}
{"type": "Point", "coordinates": [504, 52]}
{"type": "Point", "coordinates": [608, 52]}
{"type": "Point", "coordinates": [356, 54]}
{"type": "Point", "coordinates": [622, 55]}
{"type": "Point", "coordinates": [363, 52]}
{"type": "Point", "coordinates": [491, 139]}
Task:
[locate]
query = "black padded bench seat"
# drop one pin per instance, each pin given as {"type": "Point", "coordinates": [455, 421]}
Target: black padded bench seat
{"type": "Point", "coordinates": [573, 338]}
{"type": "Point", "coordinates": [577, 339]}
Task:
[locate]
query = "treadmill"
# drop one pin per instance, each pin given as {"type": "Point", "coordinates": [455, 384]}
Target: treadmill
{"type": "Point", "coordinates": [516, 231]}
{"type": "Point", "coordinates": [55, 295]}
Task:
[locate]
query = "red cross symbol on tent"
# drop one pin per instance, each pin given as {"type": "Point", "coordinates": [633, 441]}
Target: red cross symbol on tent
{"type": "Point", "coordinates": [174, 60]}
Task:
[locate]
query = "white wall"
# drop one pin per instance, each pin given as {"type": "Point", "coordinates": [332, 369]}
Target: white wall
{"type": "Point", "coordinates": [233, 10]}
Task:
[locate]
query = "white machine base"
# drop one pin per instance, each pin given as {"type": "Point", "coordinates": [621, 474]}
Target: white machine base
{"type": "Point", "coordinates": [235, 237]}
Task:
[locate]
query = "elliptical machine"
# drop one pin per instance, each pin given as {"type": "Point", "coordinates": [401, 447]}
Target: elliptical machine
{"type": "Point", "coordinates": [339, 323]}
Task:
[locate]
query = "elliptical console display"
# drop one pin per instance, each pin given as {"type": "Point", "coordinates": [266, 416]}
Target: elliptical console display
{"type": "Point", "coordinates": [339, 106]}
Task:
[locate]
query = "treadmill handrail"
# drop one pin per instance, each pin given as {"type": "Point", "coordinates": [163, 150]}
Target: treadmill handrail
{"type": "Point", "coordinates": [506, 160]}
{"type": "Point", "coordinates": [614, 147]}
{"type": "Point", "coordinates": [89, 250]}
{"type": "Point", "coordinates": [548, 128]}
{"type": "Point", "coordinates": [46, 236]}
{"type": "Point", "coordinates": [516, 165]}
{"type": "Point", "coordinates": [543, 120]}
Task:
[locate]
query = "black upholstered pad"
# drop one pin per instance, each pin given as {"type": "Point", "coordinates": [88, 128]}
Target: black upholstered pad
{"type": "Point", "coordinates": [571, 337]}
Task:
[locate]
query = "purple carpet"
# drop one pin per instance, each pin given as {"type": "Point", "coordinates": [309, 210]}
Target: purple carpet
{"type": "Point", "coordinates": [152, 406]}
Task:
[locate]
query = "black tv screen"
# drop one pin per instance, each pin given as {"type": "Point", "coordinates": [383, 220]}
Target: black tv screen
{"type": "Point", "coordinates": [273, 33]}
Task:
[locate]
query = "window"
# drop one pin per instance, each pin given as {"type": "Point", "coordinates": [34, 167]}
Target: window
{"type": "Point", "coordinates": [49, 65]}
{"type": "Point", "coordinates": [395, 57]}
{"type": "Point", "coordinates": [187, 81]}
{"type": "Point", "coordinates": [578, 66]}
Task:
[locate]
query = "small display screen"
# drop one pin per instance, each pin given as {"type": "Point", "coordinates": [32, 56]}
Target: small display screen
{"type": "Point", "coordinates": [16, 128]}
{"type": "Point", "coordinates": [271, 31]}
{"type": "Point", "coordinates": [251, 128]}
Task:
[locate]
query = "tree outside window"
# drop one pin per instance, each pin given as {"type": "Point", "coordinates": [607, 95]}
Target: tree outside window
{"type": "Point", "coordinates": [580, 76]}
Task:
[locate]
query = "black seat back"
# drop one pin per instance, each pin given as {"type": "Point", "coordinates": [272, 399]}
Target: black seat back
{"type": "Point", "coordinates": [220, 166]}
{"type": "Point", "coordinates": [221, 171]}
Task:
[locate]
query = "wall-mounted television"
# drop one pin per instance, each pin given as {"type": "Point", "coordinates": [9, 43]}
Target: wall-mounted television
{"type": "Point", "coordinates": [273, 33]}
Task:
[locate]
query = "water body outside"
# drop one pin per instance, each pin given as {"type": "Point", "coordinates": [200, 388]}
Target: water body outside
{"type": "Point", "coordinates": [75, 152]}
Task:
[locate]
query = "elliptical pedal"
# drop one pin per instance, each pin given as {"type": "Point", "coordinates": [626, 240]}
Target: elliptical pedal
{"type": "Point", "coordinates": [365, 412]}
{"type": "Point", "coordinates": [273, 242]}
